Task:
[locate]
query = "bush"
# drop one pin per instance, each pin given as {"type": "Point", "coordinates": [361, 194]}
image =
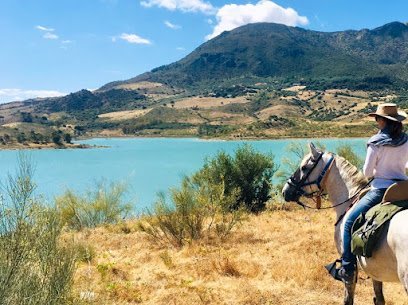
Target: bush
{"type": "Point", "coordinates": [197, 211]}
{"type": "Point", "coordinates": [35, 266]}
{"type": "Point", "coordinates": [347, 152]}
{"type": "Point", "coordinates": [248, 173]}
{"type": "Point", "coordinates": [102, 206]}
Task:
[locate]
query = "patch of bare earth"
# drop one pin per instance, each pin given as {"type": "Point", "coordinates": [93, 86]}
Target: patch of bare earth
{"type": "Point", "coordinates": [278, 110]}
{"type": "Point", "coordinates": [273, 258]}
{"type": "Point", "coordinates": [140, 85]}
{"type": "Point", "coordinates": [208, 102]}
{"type": "Point", "coordinates": [306, 95]}
{"type": "Point", "coordinates": [219, 117]}
{"type": "Point", "coordinates": [124, 115]}
{"type": "Point", "coordinates": [295, 88]}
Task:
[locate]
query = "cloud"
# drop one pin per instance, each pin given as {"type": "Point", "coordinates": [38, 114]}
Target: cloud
{"type": "Point", "coordinates": [180, 49]}
{"type": "Point", "coordinates": [232, 16]}
{"type": "Point", "coordinates": [48, 32]}
{"type": "Point", "coordinates": [133, 38]}
{"type": "Point", "coordinates": [182, 5]}
{"type": "Point", "coordinates": [67, 41]}
{"type": "Point", "coordinates": [49, 35]}
{"type": "Point", "coordinates": [43, 28]}
{"type": "Point", "coordinates": [10, 95]}
{"type": "Point", "coordinates": [172, 25]}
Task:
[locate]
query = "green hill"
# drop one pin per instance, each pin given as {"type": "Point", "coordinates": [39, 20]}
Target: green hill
{"type": "Point", "coordinates": [361, 59]}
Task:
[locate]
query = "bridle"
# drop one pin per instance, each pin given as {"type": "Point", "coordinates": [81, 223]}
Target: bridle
{"type": "Point", "coordinates": [299, 185]}
{"type": "Point", "coordinates": [319, 181]}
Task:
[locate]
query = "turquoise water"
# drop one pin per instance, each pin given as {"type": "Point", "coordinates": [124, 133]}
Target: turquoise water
{"type": "Point", "coordinates": [147, 165]}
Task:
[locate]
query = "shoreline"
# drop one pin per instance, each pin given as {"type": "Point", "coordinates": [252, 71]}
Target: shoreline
{"type": "Point", "coordinates": [76, 145]}
{"type": "Point", "coordinates": [215, 138]}
{"type": "Point", "coordinates": [46, 147]}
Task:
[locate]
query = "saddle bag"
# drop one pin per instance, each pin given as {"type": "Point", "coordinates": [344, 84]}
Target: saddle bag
{"type": "Point", "coordinates": [368, 227]}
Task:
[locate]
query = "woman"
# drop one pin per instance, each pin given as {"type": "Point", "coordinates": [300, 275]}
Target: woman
{"type": "Point", "coordinates": [386, 161]}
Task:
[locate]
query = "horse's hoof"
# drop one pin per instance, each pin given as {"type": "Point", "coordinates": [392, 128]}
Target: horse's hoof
{"type": "Point", "coordinates": [378, 302]}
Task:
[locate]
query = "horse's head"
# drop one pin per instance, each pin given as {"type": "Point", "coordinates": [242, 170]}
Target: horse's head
{"type": "Point", "coordinates": [307, 179]}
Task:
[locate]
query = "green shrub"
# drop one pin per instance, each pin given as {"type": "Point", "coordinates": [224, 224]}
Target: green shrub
{"type": "Point", "coordinates": [101, 206]}
{"type": "Point", "coordinates": [197, 211]}
{"type": "Point", "coordinates": [248, 173]}
{"type": "Point", "coordinates": [347, 152]}
{"type": "Point", "coordinates": [36, 267]}
{"type": "Point", "coordinates": [84, 252]}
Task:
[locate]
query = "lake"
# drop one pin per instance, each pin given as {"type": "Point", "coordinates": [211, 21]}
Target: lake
{"type": "Point", "coordinates": [147, 165]}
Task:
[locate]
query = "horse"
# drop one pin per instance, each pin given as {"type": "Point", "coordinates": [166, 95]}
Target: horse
{"type": "Point", "coordinates": [324, 172]}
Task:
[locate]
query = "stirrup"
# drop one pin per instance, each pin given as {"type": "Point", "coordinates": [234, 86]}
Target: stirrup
{"type": "Point", "coordinates": [333, 270]}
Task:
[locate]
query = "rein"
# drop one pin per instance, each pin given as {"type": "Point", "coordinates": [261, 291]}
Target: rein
{"type": "Point", "coordinates": [339, 204]}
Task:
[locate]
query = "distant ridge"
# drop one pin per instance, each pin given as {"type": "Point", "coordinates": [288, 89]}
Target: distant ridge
{"type": "Point", "coordinates": [376, 57]}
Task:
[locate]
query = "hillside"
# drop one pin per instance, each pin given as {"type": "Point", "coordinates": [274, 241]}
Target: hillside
{"type": "Point", "coordinates": [258, 81]}
{"type": "Point", "coordinates": [363, 59]}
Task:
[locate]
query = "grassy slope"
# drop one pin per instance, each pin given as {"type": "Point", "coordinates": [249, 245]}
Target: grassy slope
{"type": "Point", "coordinates": [274, 258]}
{"type": "Point", "coordinates": [262, 113]}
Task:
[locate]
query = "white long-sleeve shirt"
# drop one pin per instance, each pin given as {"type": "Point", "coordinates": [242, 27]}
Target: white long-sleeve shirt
{"type": "Point", "coordinates": [386, 163]}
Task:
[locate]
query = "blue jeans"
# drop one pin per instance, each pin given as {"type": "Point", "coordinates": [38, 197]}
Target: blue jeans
{"type": "Point", "coordinates": [372, 198]}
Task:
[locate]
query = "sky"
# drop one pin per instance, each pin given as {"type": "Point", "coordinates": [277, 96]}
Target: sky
{"type": "Point", "coordinates": [54, 47]}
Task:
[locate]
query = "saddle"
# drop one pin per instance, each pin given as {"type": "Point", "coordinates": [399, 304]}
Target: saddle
{"type": "Point", "coordinates": [396, 192]}
{"type": "Point", "coordinates": [368, 227]}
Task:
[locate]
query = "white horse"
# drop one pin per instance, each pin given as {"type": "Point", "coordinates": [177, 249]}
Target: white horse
{"type": "Point", "coordinates": [324, 172]}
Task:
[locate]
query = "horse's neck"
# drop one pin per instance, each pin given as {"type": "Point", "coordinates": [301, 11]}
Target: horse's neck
{"type": "Point", "coordinates": [339, 189]}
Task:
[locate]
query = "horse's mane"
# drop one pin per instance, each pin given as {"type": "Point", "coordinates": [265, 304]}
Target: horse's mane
{"type": "Point", "coordinates": [350, 173]}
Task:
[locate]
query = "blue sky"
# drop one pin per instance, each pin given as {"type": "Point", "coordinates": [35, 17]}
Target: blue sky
{"type": "Point", "coordinates": [52, 47]}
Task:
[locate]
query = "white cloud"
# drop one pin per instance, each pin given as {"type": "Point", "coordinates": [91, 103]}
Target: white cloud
{"type": "Point", "coordinates": [232, 16]}
{"type": "Point", "coordinates": [172, 25]}
{"type": "Point", "coordinates": [49, 35]}
{"type": "Point", "coordinates": [10, 95]}
{"type": "Point", "coordinates": [48, 32]}
{"type": "Point", "coordinates": [180, 49]}
{"type": "Point", "coordinates": [43, 28]}
{"type": "Point", "coordinates": [67, 41]}
{"type": "Point", "coordinates": [182, 5]}
{"type": "Point", "coordinates": [133, 38]}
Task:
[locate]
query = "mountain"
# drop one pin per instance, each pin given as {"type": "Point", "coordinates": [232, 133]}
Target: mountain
{"type": "Point", "coordinates": [260, 80]}
{"type": "Point", "coordinates": [264, 50]}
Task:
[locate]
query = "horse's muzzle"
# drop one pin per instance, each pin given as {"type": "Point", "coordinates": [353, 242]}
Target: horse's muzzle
{"type": "Point", "coordinates": [290, 193]}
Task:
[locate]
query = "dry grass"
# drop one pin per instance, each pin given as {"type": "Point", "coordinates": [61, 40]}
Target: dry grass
{"type": "Point", "coordinates": [295, 88]}
{"type": "Point", "coordinates": [208, 102]}
{"type": "Point", "coordinates": [140, 85]}
{"type": "Point", "coordinates": [281, 110]}
{"type": "Point", "coordinates": [124, 115]}
{"type": "Point", "coordinates": [274, 258]}
{"type": "Point", "coordinates": [224, 118]}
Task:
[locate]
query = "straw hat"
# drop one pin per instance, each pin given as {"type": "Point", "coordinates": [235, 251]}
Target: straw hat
{"type": "Point", "coordinates": [390, 111]}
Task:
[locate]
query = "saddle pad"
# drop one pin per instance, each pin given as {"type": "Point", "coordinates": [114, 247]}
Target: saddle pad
{"type": "Point", "coordinates": [368, 227]}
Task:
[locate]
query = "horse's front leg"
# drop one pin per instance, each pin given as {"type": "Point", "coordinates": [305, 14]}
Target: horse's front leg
{"type": "Point", "coordinates": [350, 288]}
{"type": "Point", "coordinates": [378, 292]}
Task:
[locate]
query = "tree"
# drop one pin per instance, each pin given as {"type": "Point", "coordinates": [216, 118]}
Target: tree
{"type": "Point", "coordinates": [67, 138]}
{"type": "Point", "coordinates": [21, 138]}
{"type": "Point", "coordinates": [26, 117]}
{"type": "Point", "coordinates": [56, 137]}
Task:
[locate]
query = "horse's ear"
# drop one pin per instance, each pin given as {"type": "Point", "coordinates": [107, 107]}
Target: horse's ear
{"type": "Point", "coordinates": [313, 150]}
